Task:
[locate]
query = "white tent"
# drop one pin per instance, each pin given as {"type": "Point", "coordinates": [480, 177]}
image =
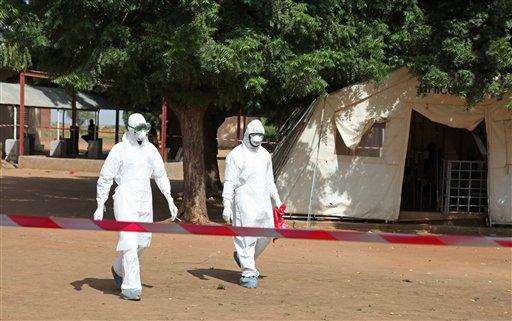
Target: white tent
{"type": "Point", "coordinates": [314, 179]}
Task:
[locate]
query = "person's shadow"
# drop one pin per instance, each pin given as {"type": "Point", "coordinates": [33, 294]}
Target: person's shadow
{"type": "Point", "coordinates": [220, 274]}
{"type": "Point", "coordinates": [104, 285]}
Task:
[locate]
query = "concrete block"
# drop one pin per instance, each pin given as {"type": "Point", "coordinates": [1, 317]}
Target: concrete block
{"type": "Point", "coordinates": [57, 148]}
{"type": "Point", "coordinates": [11, 149]}
{"type": "Point", "coordinates": [95, 149]}
{"type": "Point", "coordinates": [61, 164]}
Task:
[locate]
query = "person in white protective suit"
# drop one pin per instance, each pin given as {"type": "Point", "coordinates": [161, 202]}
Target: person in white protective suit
{"type": "Point", "coordinates": [131, 163]}
{"type": "Point", "coordinates": [248, 191]}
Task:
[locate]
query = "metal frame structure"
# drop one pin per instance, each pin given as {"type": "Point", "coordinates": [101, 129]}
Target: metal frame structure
{"type": "Point", "coordinates": [73, 128]}
{"type": "Point", "coordinates": [23, 75]}
{"type": "Point", "coordinates": [42, 75]}
{"type": "Point", "coordinates": [466, 187]}
{"type": "Point", "coordinates": [22, 111]}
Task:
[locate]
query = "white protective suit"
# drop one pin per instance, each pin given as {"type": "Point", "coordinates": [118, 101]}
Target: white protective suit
{"type": "Point", "coordinates": [131, 163]}
{"type": "Point", "coordinates": [248, 189]}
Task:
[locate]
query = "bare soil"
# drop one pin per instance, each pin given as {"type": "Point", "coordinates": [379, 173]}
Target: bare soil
{"type": "Point", "coordinates": [65, 275]}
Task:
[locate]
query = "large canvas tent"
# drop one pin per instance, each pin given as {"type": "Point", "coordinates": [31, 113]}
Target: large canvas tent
{"type": "Point", "coordinates": [366, 182]}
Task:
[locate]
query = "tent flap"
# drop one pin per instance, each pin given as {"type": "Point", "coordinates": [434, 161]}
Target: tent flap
{"type": "Point", "coordinates": [352, 123]}
{"type": "Point", "coordinates": [453, 116]}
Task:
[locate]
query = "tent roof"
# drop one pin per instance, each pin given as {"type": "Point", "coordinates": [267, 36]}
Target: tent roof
{"type": "Point", "coordinates": [49, 97]}
{"type": "Point", "coordinates": [343, 184]}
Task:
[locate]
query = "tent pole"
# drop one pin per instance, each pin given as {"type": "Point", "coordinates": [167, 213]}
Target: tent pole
{"type": "Point", "coordinates": [313, 181]}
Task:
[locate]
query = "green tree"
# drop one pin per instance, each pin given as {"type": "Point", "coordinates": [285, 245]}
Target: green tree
{"type": "Point", "coordinates": [208, 59]}
{"type": "Point", "coordinates": [469, 48]}
{"type": "Point", "coordinates": [14, 52]}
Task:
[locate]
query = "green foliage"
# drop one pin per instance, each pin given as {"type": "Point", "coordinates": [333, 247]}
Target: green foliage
{"type": "Point", "coordinates": [15, 55]}
{"type": "Point", "coordinates": [469, 48]}
{"type": "Point", "coordinates": [270, 129]}
{"type": "Point", "coordinates": [258, 54]}
{"type": "Point", "coordinates": [265, 55]}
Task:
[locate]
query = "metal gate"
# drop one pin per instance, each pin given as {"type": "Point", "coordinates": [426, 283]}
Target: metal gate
{"type": "Point", "coordinates": [465, 187]}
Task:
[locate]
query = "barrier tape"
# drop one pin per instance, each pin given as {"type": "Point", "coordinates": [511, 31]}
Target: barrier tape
{"type": "Point", "coordinates": [11, 125]}
{"type": "Point", "coordinates": [228, 230]}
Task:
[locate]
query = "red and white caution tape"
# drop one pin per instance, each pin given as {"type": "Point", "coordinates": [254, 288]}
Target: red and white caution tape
{"type": "Point", "coordinates": [227, 230]}
{"type": "Point", "coordinates": [11, 125]}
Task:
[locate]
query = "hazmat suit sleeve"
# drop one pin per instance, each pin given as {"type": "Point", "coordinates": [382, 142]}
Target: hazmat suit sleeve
{"type": "Point", "coordinates": [230, 179]}
{"type": "Point", "coordinates": [230, 184]}
{"type": "Point", "coordinates": [162, 181]}
{"type": "Point", "coordinates": [271, 185]}
{"type": "Point", "coordinates": [109, 170]}
{"type": "Point", "coordinates": [160, 174]}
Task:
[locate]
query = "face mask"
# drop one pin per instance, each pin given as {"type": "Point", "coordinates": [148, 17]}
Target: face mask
{"type": "Point", "coordinates": [140, 131]}
{"type": "Point", "coordinates": [255, 139]}
{"type": "Point", "coordinates": [140, 135]}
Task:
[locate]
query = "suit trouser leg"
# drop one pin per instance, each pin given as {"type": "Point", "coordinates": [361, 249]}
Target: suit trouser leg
{"type": "Point", "coordinates": [248, 249]}
{"type": "Point", "coordinates": [127, 265]}
{"type": "Point", "coordinates": [245, 247]}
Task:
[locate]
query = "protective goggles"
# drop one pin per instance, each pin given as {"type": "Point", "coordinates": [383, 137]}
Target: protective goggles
{"type": "Point", "coordinates": [256, 135]}
{"type": "Point", "coordinates": [141, 127]}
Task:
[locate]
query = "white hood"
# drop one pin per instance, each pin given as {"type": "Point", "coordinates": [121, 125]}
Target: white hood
{"type": "Point", "coordinates": [254, 127]}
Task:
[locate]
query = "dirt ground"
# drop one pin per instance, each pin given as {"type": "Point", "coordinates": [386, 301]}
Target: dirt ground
{"type": "Point", "coordinates": [65, 275]}
{"type": "Point", "coordinates": [63, 193]}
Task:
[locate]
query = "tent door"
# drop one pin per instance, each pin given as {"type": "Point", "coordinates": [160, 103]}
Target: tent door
{"type": "Point", "coordinates": [445, 168]}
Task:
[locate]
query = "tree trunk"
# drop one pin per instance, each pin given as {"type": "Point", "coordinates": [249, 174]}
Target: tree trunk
{"type": "Point", "coordinates": [212, 121]}
{"type": "Point", "coordinates": [174, 141]}
{"type": "Point", "coordinates": [194, 193]}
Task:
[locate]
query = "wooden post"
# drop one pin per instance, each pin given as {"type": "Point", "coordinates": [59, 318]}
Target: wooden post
{"type": "Point", "coordinates": [58, 124]}
{"type": "Point", "coordinates": [97, 128]}
{"type": "Point", "coordinates": [74, 131]}
{"type": "Point", "coordinates": [15, 122]}
{"type": "Point", "coordinates": [21, 141]}
{"type": "Point", "coordinates": [117, 126]}
{"type": "Point", "coordinates": [238, 126]}
{"type": "Point", "coordinates": [163, 129]}
{"type": "Point", "coordinates": [63, 128]}
{"type": "Point", "coordinates": [73, 109]}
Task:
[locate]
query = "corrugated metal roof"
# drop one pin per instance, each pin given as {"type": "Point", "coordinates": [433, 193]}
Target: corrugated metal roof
{"type": "Point", "coordinates": [48, 97]}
